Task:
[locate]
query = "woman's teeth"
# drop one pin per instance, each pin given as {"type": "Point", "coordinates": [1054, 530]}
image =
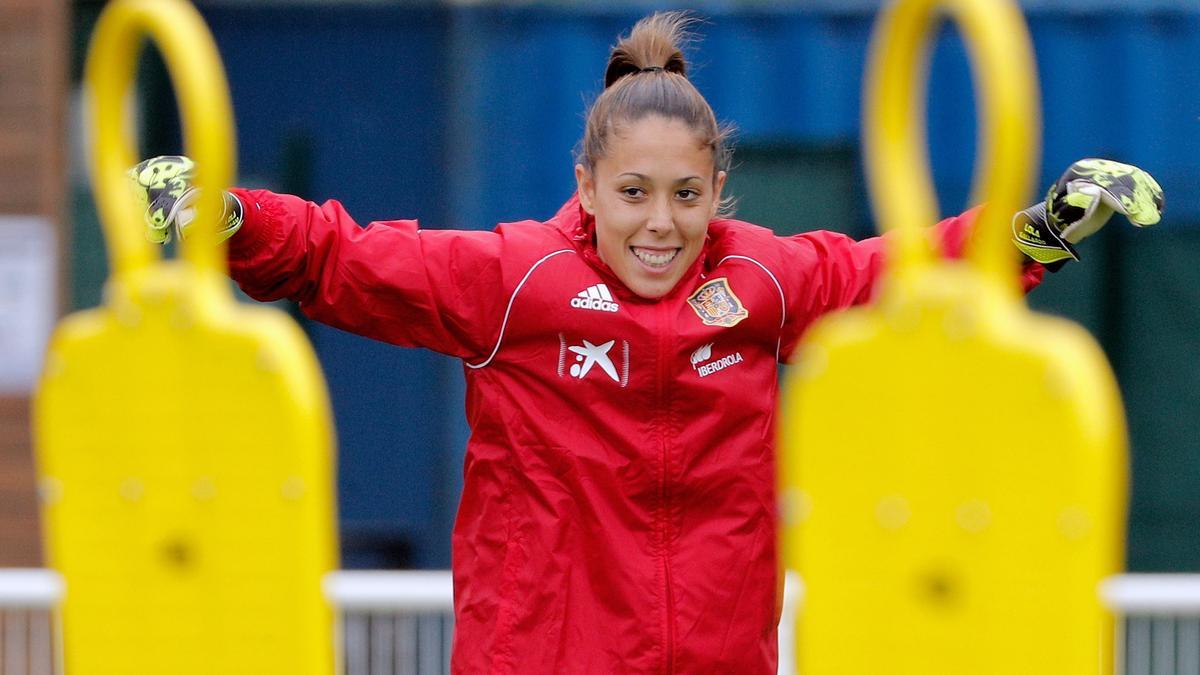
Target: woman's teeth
{"type": "Point", "coordinates": [655, 258]}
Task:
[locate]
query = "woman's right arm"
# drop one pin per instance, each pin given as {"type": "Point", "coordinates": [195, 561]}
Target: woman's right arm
{"type": "Point", "coordinates": [391, 281]}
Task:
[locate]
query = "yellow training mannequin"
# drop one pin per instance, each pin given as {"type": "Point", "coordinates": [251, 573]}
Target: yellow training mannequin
{"type": "Point", "coordinates": [952, 465]}
{"type": "Point", "coordinates": [183, 440]}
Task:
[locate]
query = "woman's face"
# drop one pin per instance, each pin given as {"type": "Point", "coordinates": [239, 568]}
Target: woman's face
{"type": "Point", "coordinates": [652, 196]}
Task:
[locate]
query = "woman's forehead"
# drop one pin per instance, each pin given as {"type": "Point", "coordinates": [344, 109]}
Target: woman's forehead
{"type": "Point", "coordinates": [657, 142]}
{"type": "Point", "coordinates": [657, 126]}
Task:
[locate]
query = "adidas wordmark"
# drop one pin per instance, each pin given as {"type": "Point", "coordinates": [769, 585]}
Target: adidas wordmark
{"type": "Point", "coordinates": [595, 297]}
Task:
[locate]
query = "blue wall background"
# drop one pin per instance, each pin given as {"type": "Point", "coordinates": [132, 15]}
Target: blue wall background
{"type": "Point", "coordinates": [465, 116]}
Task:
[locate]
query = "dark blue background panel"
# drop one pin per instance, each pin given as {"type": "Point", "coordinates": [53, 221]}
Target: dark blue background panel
{"type": "Point", "coordinates": [367, 85]}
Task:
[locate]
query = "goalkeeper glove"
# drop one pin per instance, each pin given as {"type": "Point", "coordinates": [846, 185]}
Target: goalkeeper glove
{"type": "Point", "coordinates": [163, 186]}
{"type": "Point", "coordinates": [1080, 203]}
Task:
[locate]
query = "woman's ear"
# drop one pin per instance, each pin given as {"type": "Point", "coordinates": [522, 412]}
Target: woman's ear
{"type": "Point", "coordinates": [587, 189]}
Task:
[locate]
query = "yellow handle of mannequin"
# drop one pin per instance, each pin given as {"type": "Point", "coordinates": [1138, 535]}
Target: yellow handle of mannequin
{"type": "Point", "coordinates": [207, 115]}
{"type": "Point", "coordinates": [1002, 61]}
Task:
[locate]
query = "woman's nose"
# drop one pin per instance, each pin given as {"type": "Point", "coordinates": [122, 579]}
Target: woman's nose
{"type": "Point", "coordinates": [660, 219]}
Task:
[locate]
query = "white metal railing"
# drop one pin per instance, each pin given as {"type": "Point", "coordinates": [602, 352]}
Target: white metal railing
{"type": "Point", "coordinates": [793, 594]}
{"type": "Point", "coordinates": [392, 623]}
{"type": "Point", "coordinates": [1158, 618]}
{"type": "Point", "coordinates": [29, 625]}
{"type": "Point", "coordinates": [401, 623]}
{"type": "Point", "coordinates": [1158, 623]}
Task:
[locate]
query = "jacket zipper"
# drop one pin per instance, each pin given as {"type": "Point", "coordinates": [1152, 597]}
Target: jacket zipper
{"type": "Point", "coordinates": [665, 487]}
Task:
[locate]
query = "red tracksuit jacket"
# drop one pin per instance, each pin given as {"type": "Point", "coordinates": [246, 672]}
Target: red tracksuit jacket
{"type": "Point", "coordinates": [618, 512]}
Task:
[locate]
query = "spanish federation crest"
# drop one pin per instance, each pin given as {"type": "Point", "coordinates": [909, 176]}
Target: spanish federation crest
{"type": "Point", "coordinates": [716, 305]}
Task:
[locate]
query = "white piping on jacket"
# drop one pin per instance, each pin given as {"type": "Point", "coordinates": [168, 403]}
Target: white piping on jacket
{"type": "Point", "coordinates": [508, 310]}
{"type": "Point", "coordinates": [778, 287]}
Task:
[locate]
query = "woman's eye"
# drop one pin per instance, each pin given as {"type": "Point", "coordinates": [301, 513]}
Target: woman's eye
{"type": "Point", "coordinates": [687, 194]}
{"type": "Point", "coordinates": [632, 191]}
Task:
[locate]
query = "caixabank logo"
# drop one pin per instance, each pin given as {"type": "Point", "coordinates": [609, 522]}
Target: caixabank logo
{"type": "Point", "coordinates": [578, 357]}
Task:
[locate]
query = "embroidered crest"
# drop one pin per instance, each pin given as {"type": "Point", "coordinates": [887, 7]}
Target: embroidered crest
{"type": "Point", "coordinates": [716, 305]}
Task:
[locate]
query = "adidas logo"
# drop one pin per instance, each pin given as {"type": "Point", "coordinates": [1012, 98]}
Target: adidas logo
{"type": "Point", "coordinates": [595, 297]}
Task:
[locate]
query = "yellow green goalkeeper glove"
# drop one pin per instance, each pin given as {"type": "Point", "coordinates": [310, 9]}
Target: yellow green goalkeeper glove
{"type": "Point", "coordinates": [1079, 203]}
{"type": "Point", "coordinates": [163, 186]}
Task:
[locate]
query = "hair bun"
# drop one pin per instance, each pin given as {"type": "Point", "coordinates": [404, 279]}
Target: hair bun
{"type": "Point", "coordinates": [655, 44]}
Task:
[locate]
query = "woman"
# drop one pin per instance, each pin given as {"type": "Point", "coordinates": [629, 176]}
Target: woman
{"type": "Point", "coordinates": [618, 512]}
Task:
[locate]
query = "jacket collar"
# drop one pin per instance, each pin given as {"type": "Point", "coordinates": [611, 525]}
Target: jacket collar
{"type": "Point", "coordinates": [579, 227]}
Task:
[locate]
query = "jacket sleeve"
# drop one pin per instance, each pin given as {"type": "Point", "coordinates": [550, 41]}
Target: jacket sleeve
{"type": "Point", "coordinates": [390, 281]}
{"type": "Point", "coordinates": [831, 271]}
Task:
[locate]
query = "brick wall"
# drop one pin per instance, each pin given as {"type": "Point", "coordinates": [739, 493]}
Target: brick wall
{"type": "Point", "coordinates": [34, 61]}
{"type": "Point", "coordinates": [19, 545]}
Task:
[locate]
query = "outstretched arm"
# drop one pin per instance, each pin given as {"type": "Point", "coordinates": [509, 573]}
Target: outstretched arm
{"type": "Point", "coordinates": [389, 281]}
{"type": "Point", "coordinates": [834, 271]}
{"type": "Point", "coordinates": [829, 271]}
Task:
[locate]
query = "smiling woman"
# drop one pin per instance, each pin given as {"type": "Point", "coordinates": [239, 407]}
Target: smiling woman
{"type": "Point", "coordinates": [653, 160]}
{"type": "Point", "coordinates": [618, 506]}
{"type": "Point", "coordinates": [652, 196]}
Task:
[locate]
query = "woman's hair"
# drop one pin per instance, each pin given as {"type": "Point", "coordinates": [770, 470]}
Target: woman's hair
{"type": "Point", "coordinates": [647, 75]}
